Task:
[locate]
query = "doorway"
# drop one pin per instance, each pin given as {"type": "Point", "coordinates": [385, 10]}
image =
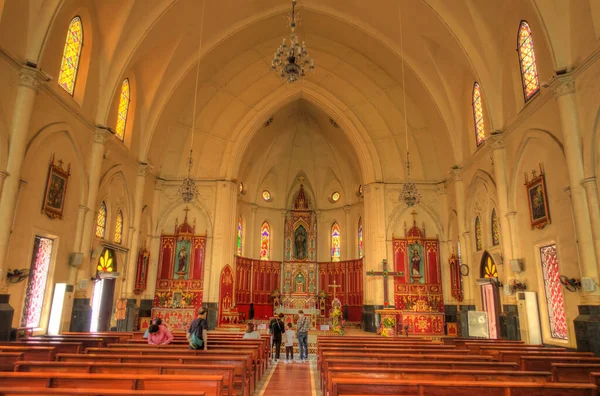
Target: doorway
{"type": "Point", "coordinates": [104, 291]}
{"type": "Point", "coordinates": [490, 295]}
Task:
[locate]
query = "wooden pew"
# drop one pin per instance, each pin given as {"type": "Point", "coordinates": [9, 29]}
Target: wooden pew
{"type": "Point", "coordinates": [383, 351]}
{"type": "Point", "coordinates": [31, 352]}
{"type": "Point", "coordinates": [460, 342]}
{"type": "Point", "coordinates": [9, 359]}
{"type": "Point", "coordinates": [227, 371]}
{"type": "Point", "coordinates": [384, 386]}
{"type": "Point", "coordinates": [543, 363]}
{"type": "Point", "coordinates": [59, 347]}
{"type": "Point", "coordinates": [515, 356]}
{"type": "Point", "coordinates": [88, 341]}
{"type": "Point", "coordinates": [211, 385]}
{"type": "Point", "coordinates": [476, 347]}
{"type": "Point", "coordinates": [595, 377]}
{"type": "Point", "coordinates": [243, 376]}
{"type": "Point", "coordinates": [573, 372]}
{"type": "Point", "coordinates": [14, 391]}
{"type": "Point", "coordinates": [433, 374]}
{"type": "Point", "coordinates": [123, 336]}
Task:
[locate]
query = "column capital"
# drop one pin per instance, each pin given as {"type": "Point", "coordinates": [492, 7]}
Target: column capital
{"type": "Point", "coordinates": [254, 208]}
{"type": "Point", "coordinates": [441, 189]}
{"type": "Point", "coordinates": [589, 182]}
{"type": "Point", "coordinates": [142, 169]}
{"type": "Point", "coordinates": [283, 213]}
{"type": "Point", "coordinates": [318, 213]}
{"type": "Point", "coordinates": [160, 182]}
{"type": "Point", "coordinates": [457, 173]}
{"type": "Point", "coordinates": [101, 134]}
{"type": "Point", "coordinates": [3, 174]}
{"type": "Point", "coordinates": [496, 140]}
{"type": "Point", "coordinates": [84, 209]}
{"type": "Point", "coordinates": [567, 191]}
{"type": "Point", "coordinates": [347, 208]}
{"type": "Point", "coordinates": [563, 85]}
{"type": "Point", "coordinates": [22, 183]}
{"type": "Point", "coordinates": [32, 77]}
{"type": "Point", "coordinates": [512, 215]}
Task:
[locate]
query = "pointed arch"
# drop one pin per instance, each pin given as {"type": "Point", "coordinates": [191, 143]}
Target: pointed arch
{"type": "Point", "coordinates": [360, 238]}
{"type": "Point", "coordinates": [495, 228]}
{"type": "Point", "coordinates": [488, 267]}
{"type": "Point", "coordinates": [529, 74]}
{"type": "Point", "coordinates": [101, 221]}
{"type": "Point", "coordinates": [265, 241]}
{"type": "Point", "coordinates": [123, 109]}
{"type": "Point", "coordinates": [478, 114]}
{"type": "Point", "coordinates": [118, 238]}
{"type": "Point", "coordinates": [240, 230]}
{"type": "Point", "coordinates": [335, 242]}
{"type": "Point", "coordinates": [71, 54]}
{"type": "Point", "coordinates": [478, 234]}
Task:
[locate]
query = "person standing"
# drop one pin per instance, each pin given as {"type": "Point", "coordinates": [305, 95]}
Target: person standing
{"type": "Point", "coordinates": [289, 343]}
{"type": "Point", "coordinates": [277, 328]}
{"type": "Point", "coordinates": [302, 327]}
{"type": "Point", "coordinates": [197, 334]}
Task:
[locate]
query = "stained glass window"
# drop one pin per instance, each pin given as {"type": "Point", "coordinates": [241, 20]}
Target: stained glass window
{"type": "Point", "coordinates": [123, 109]}
{"type": "Point", "coordinates": [529, 74]}
{"type": "Point", "coordinates": [360, 238]}
{"type": "Point", "coordinates": [554, 292]}
{"type": "Point", "coordinates": [335, 196]}
{"type": "Point", "coordinates": [335, 242]}
{"type": "Point", "coordinates": [101, 221]}
{"type": "Point", "coordinates": [266, 195]}
{"type": "Point", "coordinates": [478, 234]}
{"type": "Point", "coordinates": [71, 55]}
{"type": "Point", "coordinates": [495, 229]}
{"type": "Point", "coordinates": [106, 263]}
{"type": "Point", "coordinates": [265, 241]}
{"type": "Point", "coordinates": [36, 287]}
{"type": "Point", "coordinates": [119, 228]}
{"type": "Point", "coordinates": [239, 236]}
{"type": "Point", "coordinates": [478, 115]}
{"type": "Point", "coordinates": [490, 270]}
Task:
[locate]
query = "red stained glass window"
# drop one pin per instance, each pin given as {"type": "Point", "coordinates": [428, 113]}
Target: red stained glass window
{"type": "Point", "coordinates": [265, 241]}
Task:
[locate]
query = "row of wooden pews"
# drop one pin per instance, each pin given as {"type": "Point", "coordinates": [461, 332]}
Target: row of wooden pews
{"type": "Point", "coordinates": [410, 366]}
{"type": "Point", "coordinates": [118, 363]}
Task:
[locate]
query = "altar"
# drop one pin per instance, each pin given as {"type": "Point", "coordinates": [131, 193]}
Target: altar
{"type": "Point", "coordinates": [177, 319]}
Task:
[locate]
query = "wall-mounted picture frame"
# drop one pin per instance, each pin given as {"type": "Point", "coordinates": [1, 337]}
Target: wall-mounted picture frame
{"type": "Point", "coordinates": [539, 212]}
{"type": "Point", "coordinates": [56, 189]}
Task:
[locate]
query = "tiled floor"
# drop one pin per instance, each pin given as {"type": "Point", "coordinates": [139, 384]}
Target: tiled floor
{"type": "Point", "coordinates": [295, 379]}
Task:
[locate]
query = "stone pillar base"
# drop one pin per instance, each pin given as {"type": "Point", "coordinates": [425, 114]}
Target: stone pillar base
{"type": "Point", "coordinates": [587, 329]}
{"type": "Point", "coordinates": [81, 317]}
{"type": "Point", "coordinates": [6, 317]}
{"type": "Point", "coordinates": [213, 311]}
{"type": "Point", "coordinates": [509, 323]}
{"type": "Point", "coordinates": [370, 318]}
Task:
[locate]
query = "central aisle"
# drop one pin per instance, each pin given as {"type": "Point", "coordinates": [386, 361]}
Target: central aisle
{"type": "Point", "coordinates": [289, 379]}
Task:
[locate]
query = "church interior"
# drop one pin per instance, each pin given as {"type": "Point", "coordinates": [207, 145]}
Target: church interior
{"type": "Point", "coordinates": [416, 170]}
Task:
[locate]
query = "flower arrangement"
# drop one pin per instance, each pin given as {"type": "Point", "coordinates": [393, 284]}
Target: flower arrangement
{"type": "Point", "coordinates": [387, 327]}
{"type": "Point", "coordinates": [275, 293]}
{"type": "Point", "coordinates": [337, 321]}
{"type": "Point", "coordinates": [163, 297]}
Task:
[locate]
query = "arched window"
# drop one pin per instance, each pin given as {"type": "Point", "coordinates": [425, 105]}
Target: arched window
{"type": "Point", "coordinates": [360, 238]}
{"type": "Point", "coordinates": [335, 242]}
{"type": "Point", "coordinates": [119, 228]}
{"type": "Point", "coordinates": [106, 262]}
{"type": "Point", "coordinates": [478, 235]}
{"type": "Point", "coordinates": [265, 241]}
{"type": "Point", "coordinates": [240, 228]}
{"type": "Point", "coordinates": [123, 109]}
{"type": "Point", "coordinates": [529, 74]}
{"type": "Point", "coordinates": [488, 267]}
{"type": "Point", "coordinates": [478, 115]}
{"type": "Point", "coordinates": [101, 221]}
{"type": "Point", "coordinates": [71, 55]}
{"type": "Point", "coordinates": [495, 229]}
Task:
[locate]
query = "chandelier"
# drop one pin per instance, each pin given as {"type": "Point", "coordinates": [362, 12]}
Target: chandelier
{"type": "Point", "coordinates": [410, 195]}
{"type": "Point", "coordinates": [292, 62]}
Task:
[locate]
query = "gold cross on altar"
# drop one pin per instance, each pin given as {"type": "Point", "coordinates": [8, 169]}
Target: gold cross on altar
{"type": "Point", "coordinates": [385, 273]}
{"type": "Point", "coordinates": [334, 286]}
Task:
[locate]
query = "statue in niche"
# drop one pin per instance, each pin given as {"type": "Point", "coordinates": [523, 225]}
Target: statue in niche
{"type": "Point", "coordinates": [299, 283]}
{"type": "Point", "coordinates": [182, 256]}
{"type": "Point", "coordinates": [300, 243]}
{"type": "Point", "coordinates": [416, 263]}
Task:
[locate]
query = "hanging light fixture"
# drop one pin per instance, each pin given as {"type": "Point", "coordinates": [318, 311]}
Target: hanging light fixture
{"type": "Point", "coordinates": [188, 189]}
{"type": "Point", "coordinates": [410, 195]}
{"type": "Point", "coordinates": [292, 62]}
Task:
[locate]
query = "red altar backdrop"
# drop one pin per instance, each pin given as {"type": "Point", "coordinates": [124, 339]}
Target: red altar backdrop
{"type": "Point", "coordinates": [255, 281]}
{"type": "Point", "coordinates": [418, 294]}
{"type": "Point", "coordinates": [348, 275]}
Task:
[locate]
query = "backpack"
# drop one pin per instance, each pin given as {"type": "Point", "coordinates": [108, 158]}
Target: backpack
{"type": "Point", "coordinates": [276, 327]}
{"type": "Point", "coordinates": [196, 342]}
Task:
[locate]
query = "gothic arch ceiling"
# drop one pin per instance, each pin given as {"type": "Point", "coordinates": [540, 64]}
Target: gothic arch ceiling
{"type": "Point", "coordinates": [356, 48]}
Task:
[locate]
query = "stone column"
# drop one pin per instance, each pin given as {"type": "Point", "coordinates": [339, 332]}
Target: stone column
{"type": "Point", "coordinates": [591, 192]}
{"type": "Point", "coordinates": [445, 245]}
{"type": "Point", "coordinates": [154, 242]}
{"type": "Point", "coordinates": [465, 251]}
{"type": "Point", "coordinates": [30, 79]}
{"type": "Point", "coordinates": [350, 231]}
{"type": "Point", "coordinates": [3, 175]}
{"type": "Point", "coordinates": [77, 242]}
{"type": "Point", "coordinates": [138, 204]}
{"type": "Point", "coordinates": [374, 227]}
{"type": "Point", "coordinates": [564, 87]}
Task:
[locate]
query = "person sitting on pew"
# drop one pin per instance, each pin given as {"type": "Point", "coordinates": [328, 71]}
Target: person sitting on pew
{"type": "Point", "coordinates": [251, 333]}
{"type": "Point", "coordinates": [159, 335]}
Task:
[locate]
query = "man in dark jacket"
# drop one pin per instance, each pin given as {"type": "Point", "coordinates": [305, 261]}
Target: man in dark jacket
{"type": "Point", "coordinates": [199, 328]}
{"type": "Point", "coordinates": [277, 328]}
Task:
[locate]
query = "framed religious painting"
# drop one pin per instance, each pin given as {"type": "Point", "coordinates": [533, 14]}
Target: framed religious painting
{"type": "Point", "coordinates": [539, 213]}
{"type": "Point", "coordinates": [56, 189]}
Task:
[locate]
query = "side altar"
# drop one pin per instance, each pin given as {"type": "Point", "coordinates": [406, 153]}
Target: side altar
{"type": "Point", "coordinates": [180, 276]}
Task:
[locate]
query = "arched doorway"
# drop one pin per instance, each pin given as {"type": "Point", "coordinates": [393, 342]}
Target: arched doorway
{"type": "Point", "coordinates": [489, 292]}
{"type": "Point", "coordinates": [104, 291]}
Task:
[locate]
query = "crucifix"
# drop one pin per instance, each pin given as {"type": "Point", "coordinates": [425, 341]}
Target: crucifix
{"type": "Point", "coordinates": [334, 286]}
{"type": "Point", "coordinates": [385, 273]}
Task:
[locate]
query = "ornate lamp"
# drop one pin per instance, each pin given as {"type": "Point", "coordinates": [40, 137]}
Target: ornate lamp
{"type": "Point", "coordinates": [292, 62]}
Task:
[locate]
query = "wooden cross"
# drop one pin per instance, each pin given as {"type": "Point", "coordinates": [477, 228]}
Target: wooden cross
{"type": "Point", "coordinates": [385, 273]}
{"type": "Point", "coordinates": [335, 286]}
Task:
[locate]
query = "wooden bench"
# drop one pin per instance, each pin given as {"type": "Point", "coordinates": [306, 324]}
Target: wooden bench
{"type": "Point", "coordinates": [476, 347]}
{"type": "Point", "coordinates": [573, 372]}
{"type": "Point", "coordinates": [243, 376]}
{"type": "Point", "coordinates": [14, 391]}
{"type": "Point", "coordinates": [31, 352]}
{"type": "Point", "coordinates": [515, 356]}
{"type": "Point", "coordinates": [9, 359]}
{"type": "Point", "coordinates": [227, 371]}
{"type": "Point", "coordinates": [123, 336]}
{"type": "Point", "coordinates": [384, 386]}
{"type": "Point", "coordinates": [543, 363]}
{"type": "Point", "coordinates": [383, 351]}
{"type": "Point", "coordinates": [88, 342]}
{"type": "Point", "coordinates": [211, 385]}
{"type": "Point", "coordinates": [59, 347]}
{"type": "Point", "coordinates": [595, 377]}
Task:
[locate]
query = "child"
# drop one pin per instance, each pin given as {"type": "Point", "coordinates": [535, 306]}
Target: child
{"type": "Point", "coordinates": [289, 343]}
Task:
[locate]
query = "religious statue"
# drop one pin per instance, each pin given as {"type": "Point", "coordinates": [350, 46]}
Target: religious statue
{"type": "Point", "coordinates": [300, 243]}
{"type": "Point", "coordinates": [416, 263]}
{"type": "Point", "coordinates": [182, 256]}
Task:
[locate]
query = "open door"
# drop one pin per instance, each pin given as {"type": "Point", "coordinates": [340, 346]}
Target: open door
{"type": "Point", "coordinates": [490, 295]}
{"type": "Point", "coordinates": [104, 291]}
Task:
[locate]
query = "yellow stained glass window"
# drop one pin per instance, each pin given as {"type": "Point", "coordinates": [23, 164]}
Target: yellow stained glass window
{"type": "Point", "coordinates": [71, 55]}
{"type": "Point", "coordinates": [529, 74]}
{"type": "Point", "coordinates": [490, 270]}
{"type": "Point", "coordinates": [123, 109]}
{"type": "Point", "coordinates": [106, 263]}
{"type": "Point", "coordinates": [478, 115]}
{"type": "Point", "coordinates": [478, 234]}
{"type": "Point", "coordinates": [266, 195]}
{"type": "Point", "coordinates": [101, 221]}
{"type": "Point", "coordinates": [335, 242]}
{"type": "Point", "coordinates": [495, 228]}
{"type": "Point", "coordinates": [119, 228]}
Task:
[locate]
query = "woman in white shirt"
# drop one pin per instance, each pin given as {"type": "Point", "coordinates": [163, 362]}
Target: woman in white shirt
{"type": "Point", "coordinates": [251, 333]}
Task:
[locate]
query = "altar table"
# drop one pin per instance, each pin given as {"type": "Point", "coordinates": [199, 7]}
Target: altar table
{"type": "Point", "coordinates": [177, 319]}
